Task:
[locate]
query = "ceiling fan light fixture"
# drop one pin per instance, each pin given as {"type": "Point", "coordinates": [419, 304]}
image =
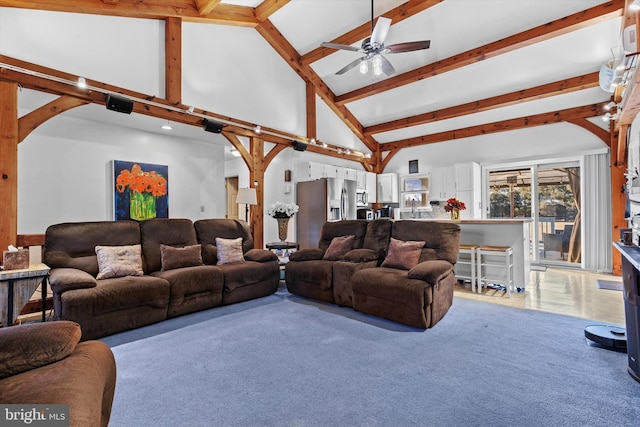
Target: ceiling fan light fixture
{"type": "Point", "coordinates": [377, 65]}
{"type": "Point", "coordinates": [364, 66]}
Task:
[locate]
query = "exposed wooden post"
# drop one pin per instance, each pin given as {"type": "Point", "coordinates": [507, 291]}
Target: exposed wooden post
{"type": "Point", "coordinates": [256, 180]}
{"type": "Point", "coordinates": [173, 59]}
{"type": "Point", "coordinates": [8, 164]}
{"type": "Point", "coordinates": [311, 111]}
{"type": "Point", "coordinates": [618, 202]}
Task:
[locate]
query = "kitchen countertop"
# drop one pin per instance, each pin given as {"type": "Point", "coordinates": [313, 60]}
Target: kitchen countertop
{"type": "Point", "coordinates": [477, 221]}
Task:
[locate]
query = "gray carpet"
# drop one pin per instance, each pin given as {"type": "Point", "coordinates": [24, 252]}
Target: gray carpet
{"type": "Point", "coordinates": [287, 361]}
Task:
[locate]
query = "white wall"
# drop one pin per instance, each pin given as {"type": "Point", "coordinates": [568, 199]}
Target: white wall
{"type": "Point", "coordinates": [64, 172]}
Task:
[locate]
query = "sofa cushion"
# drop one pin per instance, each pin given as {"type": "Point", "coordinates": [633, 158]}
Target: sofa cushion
{"type": "Point", "coordinates": [119, 261]}
{"type": "Point", "coordinates": [442, 238]}
{"type": "Point", "coordinates": [338, 247]}
{"type": "Point", "coordinates": [73, 245]}
{"type": "Point", "coordinates": [28, 347]}
{"type": "Point", "coordinates": [309, 254]}
{"type": "Point", "coordinates": [403, 254]}
{"type": "Point", "coordinates": [208, 229]}
{"type": "Point", "coordinates": [172, 258]}
{"type": "Point", "coordinates": [176, 232]}
{"type": "Point", "coordinates": [229, 250]}
{"type": "Point", "coordinates": [355, 227]}
{"type": "Point", "coordinates": [431, 271]}
{"type": "Point", "coordinates": [66, 279]}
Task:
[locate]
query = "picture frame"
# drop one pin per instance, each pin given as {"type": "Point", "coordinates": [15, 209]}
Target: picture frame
{"type": "Point", "coordinates": [413, 166]}
{"type": "Point", "coordinates": [140, 190]}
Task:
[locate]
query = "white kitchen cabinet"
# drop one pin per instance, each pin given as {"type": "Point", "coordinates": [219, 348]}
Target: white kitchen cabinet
{"type": "Point", "coordinates": [387, 188]}
{"type": "Point", "coordinates": [468, 189]}
{"type": "Point", "coordinates": [371, 181]}
{"type": "Point", "coordinates": [361, 180]}
{"type": "Point", "coordinates": [442, 185]}
{"type": "Point", "coordinates": [350, 174]}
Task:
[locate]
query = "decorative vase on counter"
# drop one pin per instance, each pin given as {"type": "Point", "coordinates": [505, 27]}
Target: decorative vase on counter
{"type": "Point", "coordinates": [455, 214]}
{"type": "Point", "coordinates": [283, 228]}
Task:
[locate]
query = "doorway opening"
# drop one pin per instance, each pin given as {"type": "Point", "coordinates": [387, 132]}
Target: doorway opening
{"type": "Point", "coordinates": [549, 194]}
{"type": "Point", "coordinates": [231, 185]}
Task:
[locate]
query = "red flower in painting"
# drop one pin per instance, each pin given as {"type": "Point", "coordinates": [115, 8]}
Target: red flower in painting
{"type": "Point", "coordinates": [141, 182]}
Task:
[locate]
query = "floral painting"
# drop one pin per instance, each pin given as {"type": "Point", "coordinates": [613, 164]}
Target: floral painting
{"type": "Point", "coordinates": [141, 190]}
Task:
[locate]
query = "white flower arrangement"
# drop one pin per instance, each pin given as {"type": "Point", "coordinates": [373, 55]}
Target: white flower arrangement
{"type": "Point", "coordinates": [282, 210]}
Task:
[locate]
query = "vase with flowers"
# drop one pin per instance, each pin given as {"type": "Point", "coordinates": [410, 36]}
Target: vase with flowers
{"type": "Point", "coordinates": [282, 212]}
{"type": "Point", "coordinates": [454, 206]}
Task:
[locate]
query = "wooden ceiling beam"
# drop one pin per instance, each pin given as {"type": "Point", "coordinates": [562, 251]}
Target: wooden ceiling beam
{"type": "Point", "coordinates": [572, 84]}
{"type": "Point", "coordinates": [268, 7]}
{"type": "Point", "coordinates": [205, 7]}
{"type": "Point", "coordinates": [585, 18]}
{"type": "Point", "coordinates": [223, 14]}
{"type": "Point", "coordinates": [501, 126]}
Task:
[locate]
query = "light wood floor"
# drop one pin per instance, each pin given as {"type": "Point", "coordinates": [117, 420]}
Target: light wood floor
{"type": "Point", "coordinates": [564, 291]}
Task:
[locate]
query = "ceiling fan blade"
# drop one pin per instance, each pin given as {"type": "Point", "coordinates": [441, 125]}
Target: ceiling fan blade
{"type": "Point", "coordinates": [351, 65]}
{"type": "Point", "coordinates": [387, 68]}
{"type": "Point", "coordinates": [380, 30]}
{"type": "Point", "coordinates": [408, 46]}
{"type": "Point", "coordinates": [340, 46]}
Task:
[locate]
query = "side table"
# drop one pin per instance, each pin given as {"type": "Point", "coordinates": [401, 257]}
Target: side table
{"type": "Point", "coordinates": [282, 250]}
{"type": "Point", "coordinates": [17, 286]}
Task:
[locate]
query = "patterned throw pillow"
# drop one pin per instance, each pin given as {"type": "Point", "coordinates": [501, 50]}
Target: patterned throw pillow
{"type": "Point", "coordinates": [338, 247]}
{"type": "Point", "coordinates": [172, 258]}
{"type": "Point", "coordinates": [119, 261]}
{"type": "Point", "coordinates": [229, 250]}
{"type": "Point", "coordinates": [403, 254]}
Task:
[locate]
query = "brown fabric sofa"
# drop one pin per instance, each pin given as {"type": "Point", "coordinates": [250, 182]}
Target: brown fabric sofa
{"type": "Point", "coordinates": [110, 305]}
{"type": "Point", "coordinates": [310, 275]}
{"type": "Point", "coordinates": [417, 295]}
{"type": "Point", "coordinates": [43, 364]}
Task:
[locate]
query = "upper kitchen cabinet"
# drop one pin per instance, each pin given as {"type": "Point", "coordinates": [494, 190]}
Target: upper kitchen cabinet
{"type": "Point", "coordinates": [387, 188]}
{"type": "Point", "coordinates": [442, 185]}
{"type": "Point", "coordinates": [468, 189]}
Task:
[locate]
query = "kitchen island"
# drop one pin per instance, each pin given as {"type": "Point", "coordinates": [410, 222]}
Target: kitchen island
{"type": "Point", "coordinates": [500, 232]}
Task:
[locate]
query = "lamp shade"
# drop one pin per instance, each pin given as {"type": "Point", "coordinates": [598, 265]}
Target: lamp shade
{"type": "Point", "coordinates": [247, 196]}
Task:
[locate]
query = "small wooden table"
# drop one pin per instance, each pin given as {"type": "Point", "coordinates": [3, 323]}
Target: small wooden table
{"type": "Point", "coordinates": [17, 286]}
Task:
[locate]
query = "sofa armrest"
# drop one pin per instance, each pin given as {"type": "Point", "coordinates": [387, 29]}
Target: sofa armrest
{"type": "Point", "coordinates": [306, 255]}
{"type": "Point", "coordinates": [32, 346]}
{"type": "Point", "coordinates": [431, 271]}
{"type": "Point", "coordinates": [361, 255]}
{"type": "Point", "coordinates": [260, 255]}
{"type": "Point", "coordinates": [66, 279]}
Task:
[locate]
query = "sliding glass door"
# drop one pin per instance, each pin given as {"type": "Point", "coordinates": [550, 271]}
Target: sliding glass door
{"type": "Point", "coordinates": [549, 194]}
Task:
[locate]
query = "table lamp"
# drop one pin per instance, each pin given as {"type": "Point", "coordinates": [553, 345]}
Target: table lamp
{"type": "Point", "coordinates": [247, 196]}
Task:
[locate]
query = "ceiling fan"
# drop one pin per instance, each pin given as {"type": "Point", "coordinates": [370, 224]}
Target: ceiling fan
{"type": "Point", "coordinates": [373, 47]}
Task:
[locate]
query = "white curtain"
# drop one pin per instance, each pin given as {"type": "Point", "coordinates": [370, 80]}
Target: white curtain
{"type": "Point", "coordinates": [596, 212]}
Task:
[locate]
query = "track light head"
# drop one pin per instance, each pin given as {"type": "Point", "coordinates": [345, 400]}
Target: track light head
{"type": "Point", "coordinates": [119, 104]}
{"type": "Point", "coordinates": [212, 126]}
{"type": "Point", "coordinates": [299, 146]}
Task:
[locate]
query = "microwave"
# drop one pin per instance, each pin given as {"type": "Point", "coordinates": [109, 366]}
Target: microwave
{"type": "Point", "coordinates": [362, 198]}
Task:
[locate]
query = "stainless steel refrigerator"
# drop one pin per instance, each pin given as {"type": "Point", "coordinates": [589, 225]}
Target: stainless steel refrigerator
{"type": "Point", "coordinates": [322, 200]}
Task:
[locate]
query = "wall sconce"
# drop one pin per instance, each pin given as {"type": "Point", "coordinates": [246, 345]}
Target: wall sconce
{"type": "Point", "coordinates": [247, 196]}
{"type": "Point", "coordinates": [234, 152]}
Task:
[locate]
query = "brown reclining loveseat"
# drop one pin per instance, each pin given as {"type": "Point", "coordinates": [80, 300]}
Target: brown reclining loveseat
{"type": "Point", "coordinates": [399, 270]}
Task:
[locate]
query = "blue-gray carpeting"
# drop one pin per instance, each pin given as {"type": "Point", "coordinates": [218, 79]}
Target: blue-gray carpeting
{"type": "Point", "coordinates": [287, 361]}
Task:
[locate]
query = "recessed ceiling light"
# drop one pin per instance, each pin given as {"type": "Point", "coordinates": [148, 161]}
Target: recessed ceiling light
{"type": "Point", "coordinates": [166, 126]}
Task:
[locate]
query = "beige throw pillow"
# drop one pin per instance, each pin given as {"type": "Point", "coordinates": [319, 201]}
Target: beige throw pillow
{"type": "Point", "coordinates": [338, 247]}
{"type": "Point", "coordinates": [229, 250]}
{"type": "Point", "coordinates": [172, 258]}
{"type": "Point", "coordinates": [119, 261]}
{"type": "Point", "coordinates": [402, 254]}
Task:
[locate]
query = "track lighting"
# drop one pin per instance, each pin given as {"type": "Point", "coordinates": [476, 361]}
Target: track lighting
{"type": "Point", "coordinates": [167, 126]}
{"type": "Point", "coordinates": [257, 129]}
{"type": "Point", "coordinates": [609, 106]}
{"type": "Point", "coordinates": [82, 83]}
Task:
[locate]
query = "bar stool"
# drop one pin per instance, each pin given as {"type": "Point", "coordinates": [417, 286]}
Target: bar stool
{"type": "Point", "coordinates": [495, 265]}
{"type": "Point", "coordinates": [467, 256]}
